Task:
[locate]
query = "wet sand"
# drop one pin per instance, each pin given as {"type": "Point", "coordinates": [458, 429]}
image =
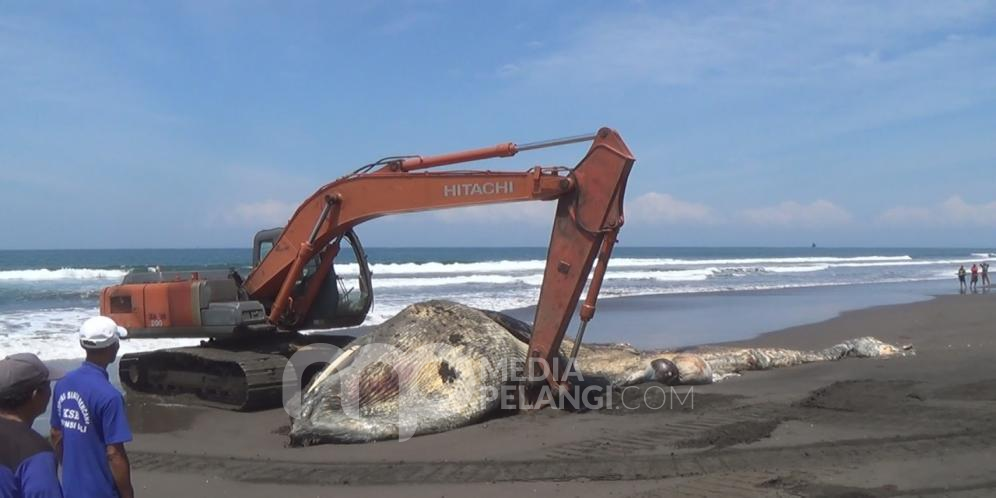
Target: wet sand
{"type": "Point", "coordinates": [915, 425]}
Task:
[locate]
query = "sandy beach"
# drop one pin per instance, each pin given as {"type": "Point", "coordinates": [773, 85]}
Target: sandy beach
{"type": "Point", "coordinates": [916, 425]}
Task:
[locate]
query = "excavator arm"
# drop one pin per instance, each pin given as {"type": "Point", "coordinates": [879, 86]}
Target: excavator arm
{"type": "Point", "coordinates": [588, 217]}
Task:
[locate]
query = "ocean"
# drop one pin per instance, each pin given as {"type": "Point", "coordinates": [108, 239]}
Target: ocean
{"type": "Point", "coordinates": [46, 294]}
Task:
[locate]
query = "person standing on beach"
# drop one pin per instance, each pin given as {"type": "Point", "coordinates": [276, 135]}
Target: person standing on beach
{"type": "Point", "coordinates": [27, 462]}
{"type": "Point", "coordinates": [975, 277]}
{"type": "Point", "coordinates": [961, 277]}
{"type": "Point", "coordinates": [89, 424]}
{"type": "Point", "coordinates": [985, 276]}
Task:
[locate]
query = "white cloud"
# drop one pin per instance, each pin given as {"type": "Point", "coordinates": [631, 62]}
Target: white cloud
{"type": "Point", "coordinates": [658, 208]}
{"type": "Point", "coordinates": [864, 64]}
{"type": "Point", "coordinates": [655, 208]}
{"type": "Point", "coordinates": [257, 197]}
{"type": "Point", "coordinates": [752, 41]}
{"type": "Point", "coordinates": [649, 208]}
{"type": "Point", "coordinates": [954, 211]}
{"type": "Point", "coordinates": [905, 215]}
{"type": "Point", "coordinates": [508, 70]}
{"type": "Point", "coordinates": [793, 214]}
{"type": "Point", "coordinates": [268, 213]}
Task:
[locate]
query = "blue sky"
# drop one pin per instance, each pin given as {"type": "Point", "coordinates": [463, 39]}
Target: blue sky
{"type": "Point", "coordinates": [193, 124]}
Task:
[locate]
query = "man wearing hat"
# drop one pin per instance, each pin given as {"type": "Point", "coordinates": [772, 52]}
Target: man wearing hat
{"type": "Point", "coordinates": [89, 424]}
{"type": "Point", "coordinates": [27, 464]}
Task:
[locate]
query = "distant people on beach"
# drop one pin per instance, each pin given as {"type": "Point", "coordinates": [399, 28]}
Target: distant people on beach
{"type": "Point", "coordinates": [973, 284]}
{"type": "Point", "coordinates": [89, 423]}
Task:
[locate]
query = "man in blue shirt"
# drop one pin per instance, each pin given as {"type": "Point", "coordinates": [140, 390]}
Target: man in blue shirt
{"type": "Point", "coordinates": [27, 464]}
{"type": "Point", "coordinates": [89, 424]}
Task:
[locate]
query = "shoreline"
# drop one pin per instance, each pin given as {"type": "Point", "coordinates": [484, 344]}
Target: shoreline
{"type": "Point", "coordinates": [929, 291]}
{"type": "Point", "coordinates": [613, 302]}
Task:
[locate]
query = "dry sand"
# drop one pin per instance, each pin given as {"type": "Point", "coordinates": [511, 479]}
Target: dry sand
{"type": "Point", "coordinates": [919, 425]}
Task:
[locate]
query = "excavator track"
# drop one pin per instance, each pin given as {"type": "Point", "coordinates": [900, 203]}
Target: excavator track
{"type": "Point", "coordinates": [243, 380]}
{"type": "Point", "coordinates": [233, 376]}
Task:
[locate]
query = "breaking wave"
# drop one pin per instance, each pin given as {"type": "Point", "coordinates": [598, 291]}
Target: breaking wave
{"type": "Point", "coordinates": [537, 278]}
{"type": "Point", "coordinates": [508, 266]}
{"type": "Point", "coordinates": [62, 274]}
{"type": "Point", "coordinates": [52, 334]}
{"type": "Point", "coordinates": [41, 308]}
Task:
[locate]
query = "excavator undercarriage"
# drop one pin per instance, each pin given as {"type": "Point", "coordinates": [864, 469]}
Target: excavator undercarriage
{"type": "Point", "coordinates": [236, 373]}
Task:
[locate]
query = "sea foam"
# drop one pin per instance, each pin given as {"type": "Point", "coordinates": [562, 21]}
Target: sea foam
{"type": "Point", "coordinates": [507, 266]}
{"type": "Point", "coordinates": [52, 334]}
{"type": "Point", "coordinates": [62, 274]}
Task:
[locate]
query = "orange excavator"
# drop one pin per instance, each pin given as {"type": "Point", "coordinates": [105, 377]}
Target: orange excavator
{"type": "Point", "coordinates": [253, 323]}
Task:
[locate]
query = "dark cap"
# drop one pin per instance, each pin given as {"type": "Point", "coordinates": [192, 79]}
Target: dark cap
{"type": "Point", "coordinates": [22, 372]}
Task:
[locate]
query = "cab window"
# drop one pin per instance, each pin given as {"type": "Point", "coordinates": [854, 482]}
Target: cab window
{"type": "Point", "coordinates": [264, 248]}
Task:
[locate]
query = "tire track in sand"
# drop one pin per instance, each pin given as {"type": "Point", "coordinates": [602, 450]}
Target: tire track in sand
{"type": "Point", "coordinates": [621, 467]}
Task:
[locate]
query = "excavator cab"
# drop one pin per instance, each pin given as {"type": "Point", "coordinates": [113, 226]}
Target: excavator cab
{"type": "Point", "coordinates": [345, 295]}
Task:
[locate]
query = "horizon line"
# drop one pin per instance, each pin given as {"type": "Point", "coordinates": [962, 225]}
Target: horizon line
{"type": "Point", "coordinates": [511, 247]}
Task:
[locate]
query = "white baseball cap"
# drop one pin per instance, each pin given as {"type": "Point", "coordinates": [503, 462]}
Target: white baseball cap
{"type": "Point", "coordinates": [100, 332]}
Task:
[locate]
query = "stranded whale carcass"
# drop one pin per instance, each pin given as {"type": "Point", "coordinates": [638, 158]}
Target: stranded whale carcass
{"type": "Point", "coordinates": [428, 369]}
{"type": "Point", "coordinates": [623, 365]}
{"type": "Point", "coordinates": [439, 365]}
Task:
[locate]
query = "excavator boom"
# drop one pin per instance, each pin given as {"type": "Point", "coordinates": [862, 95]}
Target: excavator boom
{"type": "Point", "coordinates": [588, 217]}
